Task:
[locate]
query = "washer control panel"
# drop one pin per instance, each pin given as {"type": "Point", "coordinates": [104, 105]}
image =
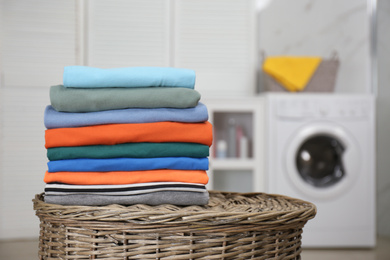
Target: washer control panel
{"type": "Point", "coordinates": [323, 108]}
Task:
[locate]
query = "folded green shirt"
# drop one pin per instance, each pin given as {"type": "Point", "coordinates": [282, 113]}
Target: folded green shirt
{"type": "Point", "coordinates": [99, 99]}
{"type": "Point", "coordinates": [129, 150]}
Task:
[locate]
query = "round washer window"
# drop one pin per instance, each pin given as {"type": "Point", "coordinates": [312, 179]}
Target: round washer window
{"type": "Point", "coordinates": [319, 161]}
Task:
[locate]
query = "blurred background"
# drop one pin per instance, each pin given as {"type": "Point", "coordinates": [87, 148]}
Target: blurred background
{"type": "Point", "coordinates": [224, 41]}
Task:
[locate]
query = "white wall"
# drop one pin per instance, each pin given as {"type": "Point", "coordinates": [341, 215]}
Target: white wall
{"type": "Point", "coordinates": [309, 27]}
{"type": "Point", "coordinates": [383, 118]}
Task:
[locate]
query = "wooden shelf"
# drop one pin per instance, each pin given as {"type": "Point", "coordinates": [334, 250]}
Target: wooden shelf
{"type": "Point", "coordinates": [238, 174]}
{"type": "Point", "coordinates": [232, 164]}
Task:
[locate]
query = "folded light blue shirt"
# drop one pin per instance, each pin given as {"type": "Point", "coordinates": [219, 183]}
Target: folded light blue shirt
{"type": "Point", "coordinates": [56, 119]}
{"type": "Point", "coordinates": [90, 77]}
{"type": "Point", "coordinates": [128, 164]}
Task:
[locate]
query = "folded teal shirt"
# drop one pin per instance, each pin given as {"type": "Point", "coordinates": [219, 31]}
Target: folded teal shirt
{"type": "Point", "coordinates": [128, 164]}
{"type": "Point", "coordinates": [89, 77]}
{"type": "Point", "coordinates": [129, 150]}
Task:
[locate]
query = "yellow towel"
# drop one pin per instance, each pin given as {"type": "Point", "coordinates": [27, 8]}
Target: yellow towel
{"type": "Point", "coordinates": [291, 72]}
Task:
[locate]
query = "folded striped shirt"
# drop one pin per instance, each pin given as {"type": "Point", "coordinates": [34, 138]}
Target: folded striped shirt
{"type": "Point", "coordinates": [128, 164]}
{"type": "Point", "coordinates": [126, 189]}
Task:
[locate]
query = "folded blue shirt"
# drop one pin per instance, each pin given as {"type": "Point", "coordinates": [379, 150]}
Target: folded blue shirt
{"type": "Point", "coordinates": [56, 119]}
{"type": "Point", "coordinates": [89, 77]}
{"type": "Point", "coordinates": [128, 164]}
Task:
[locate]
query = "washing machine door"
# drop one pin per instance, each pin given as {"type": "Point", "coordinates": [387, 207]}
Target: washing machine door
{"type": "Point", "coordinates": [319, 160]}
{"type": "Point", "coordinates": [322, 160]}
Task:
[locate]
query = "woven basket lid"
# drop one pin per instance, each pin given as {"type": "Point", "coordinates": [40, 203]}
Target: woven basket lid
{"type": "Point", "coordinates": [263, 209]}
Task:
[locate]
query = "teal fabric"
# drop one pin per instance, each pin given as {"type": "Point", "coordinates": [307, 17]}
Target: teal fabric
{"type": "Point", "coordinates": [100, 99]}
{"type": "Point", "coordinates": [129, 150]}
{"type": "Point", "coordinates": [89, 77]}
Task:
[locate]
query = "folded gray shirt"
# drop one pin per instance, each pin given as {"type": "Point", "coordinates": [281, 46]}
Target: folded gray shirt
{"type": "Point", "coordinates": [182, 198]}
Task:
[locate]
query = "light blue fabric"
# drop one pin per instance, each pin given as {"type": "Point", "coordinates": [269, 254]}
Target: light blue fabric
{"type": "Point", "coordinates": [128, 164]}
{"type": "Point", "coordinates": [89, 77]}
{"type": "Point", "coordinates": [55, 119]}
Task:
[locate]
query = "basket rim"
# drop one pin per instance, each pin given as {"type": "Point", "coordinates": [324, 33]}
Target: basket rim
{"type": "Point", "coordinates": [220, 210]}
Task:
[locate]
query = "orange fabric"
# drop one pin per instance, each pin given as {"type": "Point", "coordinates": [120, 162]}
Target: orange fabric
{"type": "Point", "coordinates": [111, 134]}
{"type": "Point", "coordinates": [127, 177]}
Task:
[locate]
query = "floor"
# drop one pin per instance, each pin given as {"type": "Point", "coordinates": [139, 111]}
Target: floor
{"type": "Point", "coordinates": [22, 250]}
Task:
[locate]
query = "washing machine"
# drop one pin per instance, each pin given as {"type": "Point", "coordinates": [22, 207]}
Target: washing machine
{"type": "Point", "coordinates": [321, 148]}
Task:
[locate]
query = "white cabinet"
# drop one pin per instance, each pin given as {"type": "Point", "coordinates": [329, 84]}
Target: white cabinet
{"type": "Point", "coordinates": [237, 153]}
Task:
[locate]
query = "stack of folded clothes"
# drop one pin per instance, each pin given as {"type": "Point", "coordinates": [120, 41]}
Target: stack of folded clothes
{"type": "Point", "coordinates": [127, 136]}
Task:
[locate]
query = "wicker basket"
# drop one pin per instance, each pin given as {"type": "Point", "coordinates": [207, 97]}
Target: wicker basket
{"type": "Point", "coordinates": [231, 226]}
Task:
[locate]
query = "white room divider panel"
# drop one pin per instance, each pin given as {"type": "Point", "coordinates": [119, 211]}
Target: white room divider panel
{"type": "Point", "coordinates": [218, 39]}
{"type": "Point", "coordinates": [127, 33]}
{"type": "Point", "coordinates": [215, 38]}
{"type": "Point", "coordinates": [38, 39]}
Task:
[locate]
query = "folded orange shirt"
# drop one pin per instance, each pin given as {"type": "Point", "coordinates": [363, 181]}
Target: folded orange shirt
{"type": "Point", "coordinates": [111, 134]}
{"type": "Point", "coordinates": [127, 177]}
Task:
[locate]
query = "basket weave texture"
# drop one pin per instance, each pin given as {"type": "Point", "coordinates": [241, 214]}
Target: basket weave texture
{"type": "Point", "coordinates": [231, 226]}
